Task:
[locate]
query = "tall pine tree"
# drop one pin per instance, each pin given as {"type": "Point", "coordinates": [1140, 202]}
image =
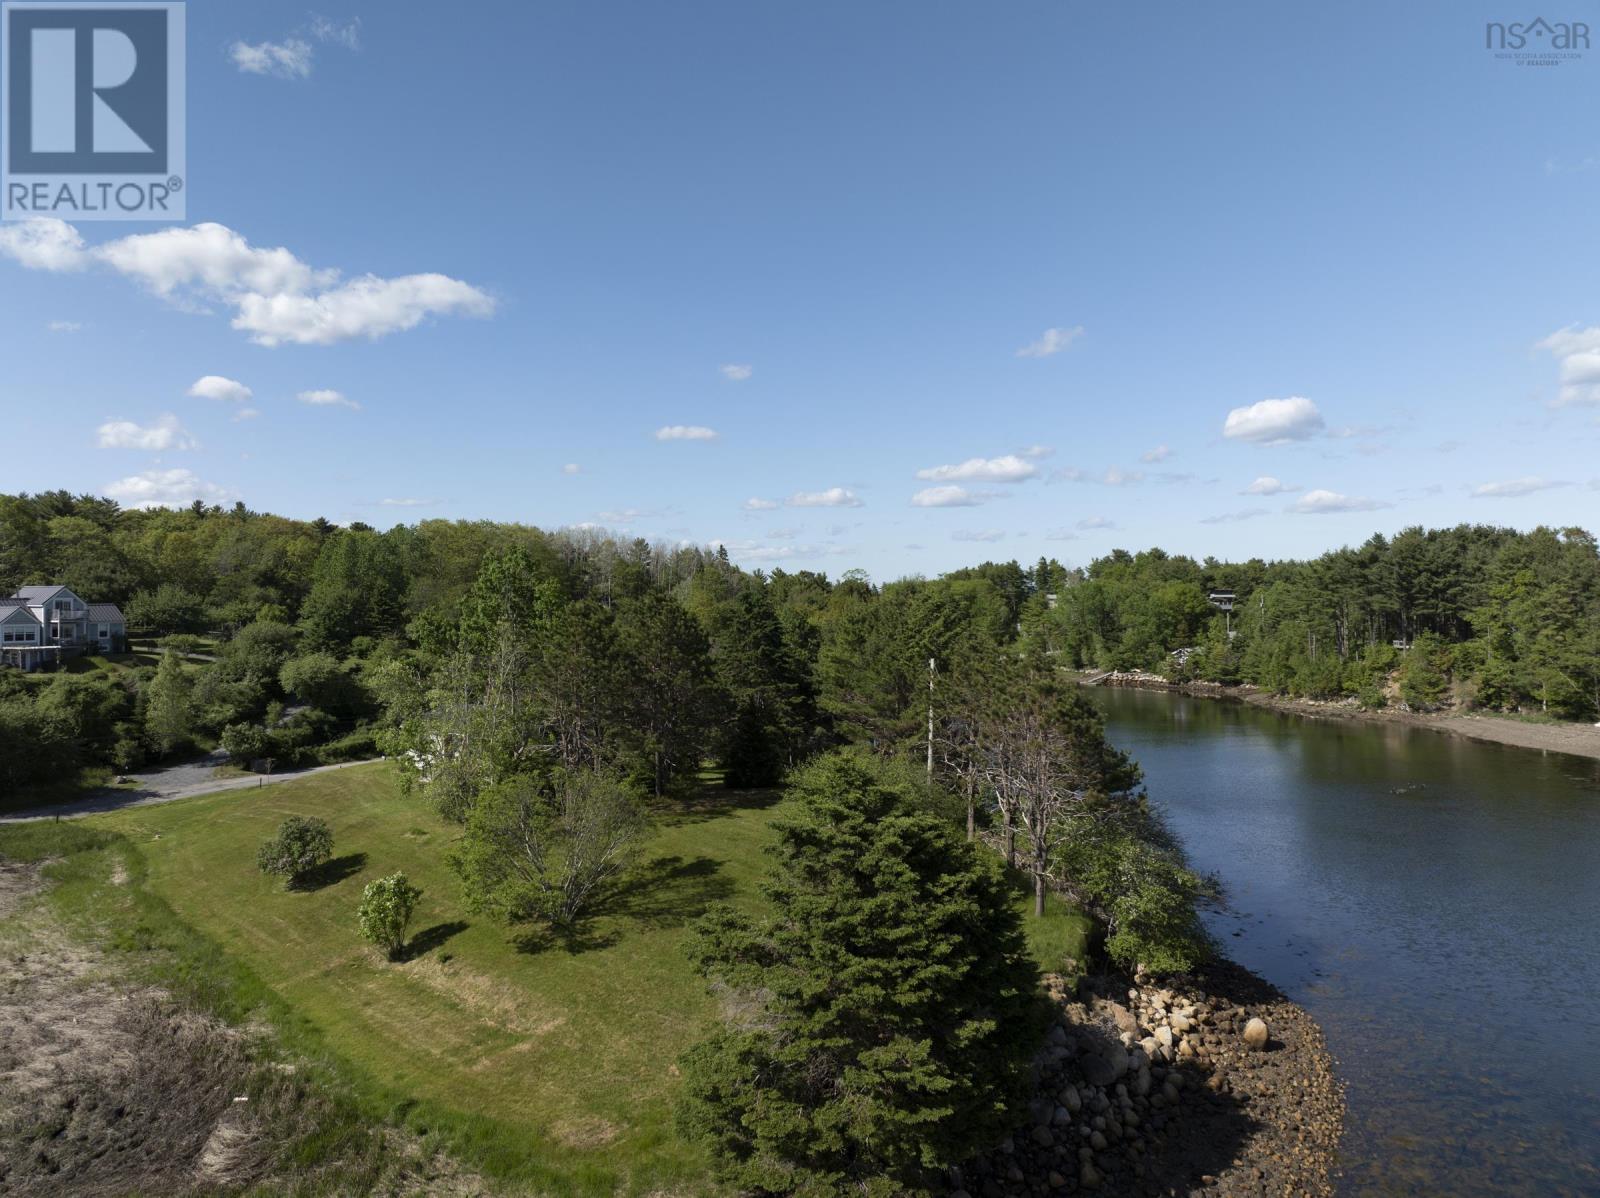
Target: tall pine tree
{"type": "Point", "coordinates": [882, 1022]}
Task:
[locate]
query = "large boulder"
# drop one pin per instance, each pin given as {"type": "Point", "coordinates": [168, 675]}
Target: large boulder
{"type": "Point", "coordinates": [1125, 1020]}
{"type": "Point", "coordinates": [1255, 1034]}
{"type": "Point", "coordinates": [1097, 1070]}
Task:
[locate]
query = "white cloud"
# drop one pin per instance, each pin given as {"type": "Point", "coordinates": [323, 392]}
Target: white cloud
{"type": "Point", "coordinates": [166, 433]}
{"type": "Point", "coordinates": [978, 534]}
{"type": "Point", "coordinates": [1249, 513]}
{"type": "Point", "coordinates": [1274, 421]}
{"type": "Point", "coordinates": [784, 534]}
{"type": "Point", "coordinates": [338, 33]}
{"type": "Point", "coordinates": [65, 326]}
{"type": "Point", "coordinates": [42, 243]}
{"type": "Point", "coordinates": [245, 414]}
{"type": "Point", "coordinates": [328, 399]}
{"type": "Point", "coordinates": [1095, 523]}
{"type": "Point", "coordinates": [215, 386]}
{"type": "Point", "coordinates": [1267, 485]}
{"type": "Point", "coordinates": [165, 488]}
{"type": "Point", "coordinates": [1051, 341]}
{"type": "Point", "coordinates": [210, 259]}
{"type": "Point", "coordinates": [1037, 452]}
{"type": "Point", "coordinates": [950, 496]}
{"type": "Point", "coordinates": [736, 373]}
{"type": "Point", "coordinates": [686, 432]}
{"type": "Point", "coordinates": [276, 298]}
{"type": "Point", "coordinates": [1007, 469]}
{"type": "Point", "coordinates": [407, 502]}
{"type": "Point", "coordinates": [1320, 503]}
{"type": "Point", "coordinates": [1515, 488]}
{"type": "Point", "coordinates": [755, 504]}
{"type": "Point", "coordinates": [1159, 454]}
{"type": "Point", "coordinates": [367, 307]}
{"type": "Point", "coordinates": [1115, 477]}
{"type": "Point", "coordinates": [572, 468]}
{"type": "Point", "coordinates": [832, 497]}
{"type": "Point", "coordinates": [1579, 352]}
{"type": "Point", "coordinates": [626, 515]}
{"type": "Point", "coordinates": [1061, 534]}
{"type": "Point", "coordinates": [755, 551]}
{"type": "Point", "coordinates": [294, 56]}
{"type": "Point", "coordinates": [288, 59]}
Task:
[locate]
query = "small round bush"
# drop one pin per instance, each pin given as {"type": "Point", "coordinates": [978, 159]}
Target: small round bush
{"type": "Point", "coordinates": [385, 912]}
{"type": "Point", "coordinates": [302, 844]}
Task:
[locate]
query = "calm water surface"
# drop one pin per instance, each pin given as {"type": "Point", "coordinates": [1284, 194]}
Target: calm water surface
{"type": "Point", "coordinates": [1434, 902]}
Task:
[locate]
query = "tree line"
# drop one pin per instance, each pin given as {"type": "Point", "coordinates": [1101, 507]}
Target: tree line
{"type": "Point", "coordinates": [1477, 616]}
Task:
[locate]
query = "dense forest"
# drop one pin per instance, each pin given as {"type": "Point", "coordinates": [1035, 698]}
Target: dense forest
{"type": "Point", "coordinates": [321, 641]}
{"type": "Point", "coordinates": [318, 630]}
{"type": "Point", "coordinates": [1471, 616]}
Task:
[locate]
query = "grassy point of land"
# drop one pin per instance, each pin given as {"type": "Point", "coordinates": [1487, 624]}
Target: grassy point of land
{"type": "Point", "coordinates": [543, 1059]}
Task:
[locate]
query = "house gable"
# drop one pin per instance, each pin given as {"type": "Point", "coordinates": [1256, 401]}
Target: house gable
{"type": "Point", "coordinates": [18, 615]}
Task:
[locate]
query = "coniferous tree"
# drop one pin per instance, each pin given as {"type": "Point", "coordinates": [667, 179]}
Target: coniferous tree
{"type": "Point", "coordinates": [882, 1021]}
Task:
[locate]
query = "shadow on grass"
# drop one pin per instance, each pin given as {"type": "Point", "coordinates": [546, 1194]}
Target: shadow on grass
{"type": "Point", "coordinates": [425, 941]}
{"type": "Point", "coordinates": [664, 892]}
{"type": "Point", "coordinates": [668, 892]}
{"type": "Point", "coordinates": [713, 802]}
{"type": "Point", "coordinates": [330, 873]}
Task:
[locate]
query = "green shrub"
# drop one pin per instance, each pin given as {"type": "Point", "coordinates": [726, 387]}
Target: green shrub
{"type": "Point", "coordinates": [1126, 868]}
{"type": "Point", "coordinates": [1425, 673]}
{"type": "Point", "coordinates": [385, 912]}
{"type": "Point", "coordinates": [549, 851]}
{"type": "Point", "coordinates": [354, 746]}
{"type": "Point", "coordinates": [301, 844]}
{"type": "Point", "coordinates": [245, 743]}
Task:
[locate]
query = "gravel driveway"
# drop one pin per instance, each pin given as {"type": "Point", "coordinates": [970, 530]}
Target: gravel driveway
{"type": "Point", "coordinates": [186, 780]}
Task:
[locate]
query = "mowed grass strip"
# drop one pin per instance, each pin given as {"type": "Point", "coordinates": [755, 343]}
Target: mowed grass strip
{"type": "Point", "coordinates": [565, 1048]}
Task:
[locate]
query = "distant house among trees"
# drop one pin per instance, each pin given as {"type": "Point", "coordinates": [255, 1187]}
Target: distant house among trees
{"type": "Point", "coordinates": [41, 626]}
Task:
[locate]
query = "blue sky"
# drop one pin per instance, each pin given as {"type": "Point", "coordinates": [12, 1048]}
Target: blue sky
{"type": "Point", "coordinates": [994, 277]}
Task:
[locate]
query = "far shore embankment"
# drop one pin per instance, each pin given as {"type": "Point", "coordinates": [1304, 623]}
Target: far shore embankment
{"type": "Point", "coordinates": [1579, 740]}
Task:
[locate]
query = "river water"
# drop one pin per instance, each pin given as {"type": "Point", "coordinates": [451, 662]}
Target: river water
{"type": "Point", "coordinates": [1433, 901]}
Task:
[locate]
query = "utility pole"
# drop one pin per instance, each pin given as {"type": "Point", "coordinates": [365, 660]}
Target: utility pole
{"type": "Point", "coordinates": [932, 670]}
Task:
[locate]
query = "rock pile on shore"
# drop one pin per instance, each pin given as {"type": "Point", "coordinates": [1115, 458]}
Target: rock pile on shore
{"type": "Point", "coordinates": [1212, 1083]}
{"type": "Point", "coordinates": [1135, 678]}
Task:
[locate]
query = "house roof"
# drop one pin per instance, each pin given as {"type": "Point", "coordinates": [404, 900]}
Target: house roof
{"type": "Point", "coordinates": [10, 607]}
{"type": "Point", "coordinates": [36, 594]}
{"type": "Point", "coordinates": [105, 613]}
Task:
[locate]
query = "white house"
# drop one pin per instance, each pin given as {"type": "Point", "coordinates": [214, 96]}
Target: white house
{"type": "Point", "coordinates": [41, 625]}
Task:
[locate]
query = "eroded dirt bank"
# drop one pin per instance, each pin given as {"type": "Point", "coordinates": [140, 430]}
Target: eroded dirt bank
{"type": "Point", "coordinates": [109, 1087]}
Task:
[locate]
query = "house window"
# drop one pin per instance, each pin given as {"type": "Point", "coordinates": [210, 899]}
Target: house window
{"type": "Point", "coordinates": [105, 632]}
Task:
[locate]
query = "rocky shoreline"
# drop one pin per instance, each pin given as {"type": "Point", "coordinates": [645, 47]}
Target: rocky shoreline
{"type": "Point", "coordinates": [1579, 740]}
{"type": "Point", "coordinates": [1211, 1083]}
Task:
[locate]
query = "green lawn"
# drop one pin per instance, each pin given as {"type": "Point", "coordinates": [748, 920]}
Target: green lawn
{"type": "Point", "coordinates": [103, 665]}
{"type": "Point", "coordinates": [564, 1051]}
